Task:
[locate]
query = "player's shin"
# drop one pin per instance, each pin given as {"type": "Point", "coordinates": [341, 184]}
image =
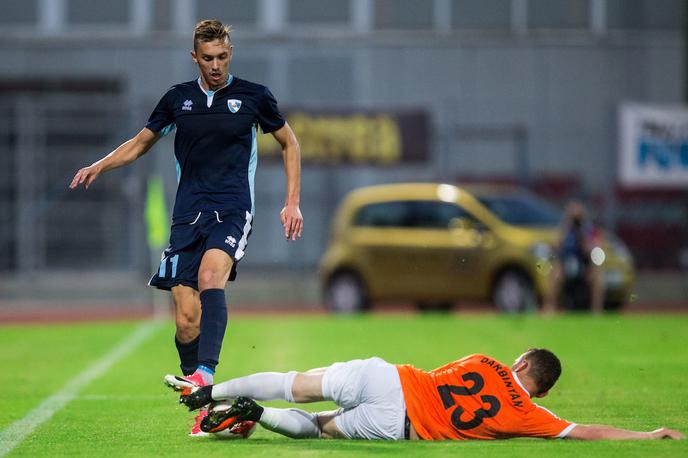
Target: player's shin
{"type": "Point", "coordinates": [263, 386]}
{"type": "Point", "coordinates": [294, 423]}
{"type": "Point", "coordinates": [213, 325]}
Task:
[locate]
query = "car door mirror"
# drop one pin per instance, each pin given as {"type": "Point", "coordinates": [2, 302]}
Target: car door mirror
{"type": "Point", "coordinates": [464, 224]}
{"type": "Point", "coordinates": [470, 225]}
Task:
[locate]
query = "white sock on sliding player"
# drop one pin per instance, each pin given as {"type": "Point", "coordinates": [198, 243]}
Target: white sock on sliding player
{"type": "Point", "coordinates": [263, 386]}
{"type": "Point", "coordinates": [294, 423]}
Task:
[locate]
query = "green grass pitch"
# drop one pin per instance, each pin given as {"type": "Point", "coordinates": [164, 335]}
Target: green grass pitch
{"type": "Point", "coordinates": [630, 371]}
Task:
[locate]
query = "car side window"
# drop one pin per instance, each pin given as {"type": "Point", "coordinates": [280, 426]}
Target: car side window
{"type": "Point", "coordinates": [425, 214]}
{"type": "Point", "coordinates": [436, 215]}
{"type": "Point", "coordinates": [384, 214]}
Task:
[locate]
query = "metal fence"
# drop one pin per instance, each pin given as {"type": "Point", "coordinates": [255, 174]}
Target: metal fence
{"type": "Point", "coordinates": [44, 139]}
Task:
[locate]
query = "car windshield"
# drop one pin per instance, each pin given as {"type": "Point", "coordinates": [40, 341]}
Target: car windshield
{"type": "Point", "coordinates": [522, 210]}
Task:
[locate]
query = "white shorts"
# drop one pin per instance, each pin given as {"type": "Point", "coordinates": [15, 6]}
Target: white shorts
{"type": "Point", "coordinates": [370, 396]}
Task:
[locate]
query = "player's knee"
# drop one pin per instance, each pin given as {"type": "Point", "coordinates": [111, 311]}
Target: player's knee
{"type": "Point", "coordinates": [208, 279]}
{"type": "Point", "coordinates": [328, 426]}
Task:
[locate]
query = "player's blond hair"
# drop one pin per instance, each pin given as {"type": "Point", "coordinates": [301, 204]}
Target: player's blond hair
{"type": "Point", "coordinates": [210, 30]}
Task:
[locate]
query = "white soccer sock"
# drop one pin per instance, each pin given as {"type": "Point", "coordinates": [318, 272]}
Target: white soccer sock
{"type": "Point", "coordinates": [294, 423]}
{"type": "Point", "coordinates": [264, 386]}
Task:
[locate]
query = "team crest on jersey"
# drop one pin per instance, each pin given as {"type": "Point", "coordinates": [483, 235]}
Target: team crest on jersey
{"type": "Point", "coordinates": [234, 105]}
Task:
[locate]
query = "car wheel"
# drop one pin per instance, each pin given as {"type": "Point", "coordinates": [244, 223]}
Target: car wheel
{"type": "Point", "coordinates": [345, 293]}
{"type": "Point", "coordinates": [513, 293]}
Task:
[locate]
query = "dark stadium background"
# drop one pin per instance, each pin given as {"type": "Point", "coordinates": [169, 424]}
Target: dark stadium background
{"type": "Point", "coordinates": [522, 91]}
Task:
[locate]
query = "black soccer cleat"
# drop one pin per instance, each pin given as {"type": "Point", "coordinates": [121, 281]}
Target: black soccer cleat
{"type": "Point", "coordinates": [197, 397]}
{"type": "Point", "coordinates": [242, 409]}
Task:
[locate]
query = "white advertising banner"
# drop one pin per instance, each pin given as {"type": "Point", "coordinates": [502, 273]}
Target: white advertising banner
{"type": "Point", "coordinates": [653, 146]}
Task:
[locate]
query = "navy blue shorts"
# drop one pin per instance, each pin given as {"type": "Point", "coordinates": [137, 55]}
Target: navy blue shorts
{"type": "Point", "coordinates": [191, 237]}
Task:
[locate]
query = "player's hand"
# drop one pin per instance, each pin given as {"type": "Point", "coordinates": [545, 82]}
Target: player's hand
{"type": "Point", "coordinates": [292, 221]}
{"type": "Point", "coordinates": [85, 176]}
{"type": "Point", "coordinates": [666, 433]}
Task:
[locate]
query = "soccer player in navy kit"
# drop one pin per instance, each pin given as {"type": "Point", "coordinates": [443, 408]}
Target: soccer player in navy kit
{"type": "Point", "coordinates": [216, 118]}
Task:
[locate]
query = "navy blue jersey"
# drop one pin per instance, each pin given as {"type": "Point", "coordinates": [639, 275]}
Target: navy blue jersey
{"type": "Point", "coordinates": [215, 142]}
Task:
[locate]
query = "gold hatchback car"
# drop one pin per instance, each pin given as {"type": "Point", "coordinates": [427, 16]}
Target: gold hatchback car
{"type": "Point", "coordinates": [437, 244]}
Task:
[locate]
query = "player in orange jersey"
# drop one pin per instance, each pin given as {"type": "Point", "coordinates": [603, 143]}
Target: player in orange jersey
{"type": "Point", "coordinates": [476, 397]}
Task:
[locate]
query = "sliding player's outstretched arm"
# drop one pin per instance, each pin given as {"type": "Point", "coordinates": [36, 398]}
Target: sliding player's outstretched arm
{"type": "Point", "coordinates": [602, 432]}
{"type": "Point", "coordinates": [124, 154]}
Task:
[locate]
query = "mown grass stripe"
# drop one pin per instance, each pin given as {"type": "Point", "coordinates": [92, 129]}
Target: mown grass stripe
{"type": "Point", "coordinates": [15, 433]}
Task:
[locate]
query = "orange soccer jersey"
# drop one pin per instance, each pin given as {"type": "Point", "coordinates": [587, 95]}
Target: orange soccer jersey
{"type": "Point", "coordinates": [475, 397]}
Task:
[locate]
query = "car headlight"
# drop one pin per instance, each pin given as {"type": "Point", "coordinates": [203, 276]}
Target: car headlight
{"type": "Point", "coordinates": [597, 255]}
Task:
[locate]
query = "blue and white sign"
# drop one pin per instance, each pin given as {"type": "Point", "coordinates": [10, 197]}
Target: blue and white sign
{"type": "Point", "coordinates": [653, 146]}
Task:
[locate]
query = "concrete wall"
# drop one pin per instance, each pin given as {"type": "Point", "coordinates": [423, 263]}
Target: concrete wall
{"type": "Point", "coordinates": [563, 87]}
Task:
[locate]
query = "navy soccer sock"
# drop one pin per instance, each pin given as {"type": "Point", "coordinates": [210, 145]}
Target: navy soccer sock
{"type": "Point", "coordinates": [213, 325]}
{"type": "Point", "coordinates": [188, 355]}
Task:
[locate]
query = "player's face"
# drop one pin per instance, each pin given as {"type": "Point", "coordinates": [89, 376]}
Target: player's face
{"type": "Point", "coordinates": [213, 59]}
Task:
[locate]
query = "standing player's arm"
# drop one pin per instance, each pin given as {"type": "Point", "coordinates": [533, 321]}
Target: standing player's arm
{"type": "Point", "coordinates": [290, 216]}
{"type": "Point", "coordinates": [124, 154]}
{"type": "Point", "coordinates": [602, 432]}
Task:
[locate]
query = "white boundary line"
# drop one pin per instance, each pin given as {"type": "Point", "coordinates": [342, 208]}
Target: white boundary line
{"type": "Point", "coordinates": [15, 433]}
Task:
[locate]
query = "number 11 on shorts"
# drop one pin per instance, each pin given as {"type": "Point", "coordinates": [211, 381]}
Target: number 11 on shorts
{"type": "Point", "coordinates": [162, 271]}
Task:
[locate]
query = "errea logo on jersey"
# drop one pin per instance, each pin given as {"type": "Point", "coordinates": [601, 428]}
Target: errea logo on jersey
{"type": "Point", "coordinates": [188, 104]}
{"type": "Point", "coordinates": [231, 241]}
{"type": "Point", "coordinates": [234, 105]}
